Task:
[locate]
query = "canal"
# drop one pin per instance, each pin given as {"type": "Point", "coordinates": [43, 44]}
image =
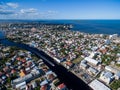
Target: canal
{"type": "Point", "coordinates": [72, 81]}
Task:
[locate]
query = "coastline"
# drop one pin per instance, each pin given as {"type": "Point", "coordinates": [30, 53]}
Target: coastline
{"type": "Point", "coordinates": [90, 26]}
{"type": "Point", "coordinates": [76, 39]}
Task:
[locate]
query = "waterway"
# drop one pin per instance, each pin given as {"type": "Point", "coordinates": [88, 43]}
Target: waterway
{"type": "Point", "coordinates": [72, 81]}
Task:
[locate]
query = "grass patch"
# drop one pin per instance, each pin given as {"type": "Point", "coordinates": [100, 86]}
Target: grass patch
{"type": "Point", "coordinates": [115, 85]}
{"type": "Point", "coordinates": [77, 60]}
{"type": "Point", "coordinates": [118, 65]}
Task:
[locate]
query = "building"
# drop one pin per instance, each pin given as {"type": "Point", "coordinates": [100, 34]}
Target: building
{"type": "Point", "coordinates": [114, 36]}
{"type": "Point", "coordinates": [68, 64]}
{"type": "Point", "coordinates": [97, 85]}
{"type": "Point", "coordinates": [117, 75]}
{"type": "Point", "coordinates": [43, 83]}
{"type": "Point", "coordinates": [92, 70]}
{"type": "Point", "coordinates": [61, 87]}
{"type": "Point", "coordinates": [92, 54]}
{"type": "Point", "coordinates": [22, 73]}
{"type": "Point", "coordinates": [50, 75]}
{"type": "Point", "coordinates": [113, 70]}
{"type": "Point", "coordinates": [107, 41]}
{"type": "Point", "coordinates": [92, 61]}
{"type": "Point", "coordinates": [106, 77]}
{"type": "Point", "coordinates": [83, 66]}
{"type": "Point", "coordinates": [21, 86]}
{"type": "Point", "coordinates": [34, 84]}
{"type": "Point", "coordinates": [26, 78]}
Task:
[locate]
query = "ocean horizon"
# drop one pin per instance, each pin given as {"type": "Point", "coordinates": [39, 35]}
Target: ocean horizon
{"type": "Point", "coordinates": [86, 26]}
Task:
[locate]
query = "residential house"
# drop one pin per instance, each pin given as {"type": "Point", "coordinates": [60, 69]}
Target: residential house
{"type": "Point", "coordinates": [61, 87]}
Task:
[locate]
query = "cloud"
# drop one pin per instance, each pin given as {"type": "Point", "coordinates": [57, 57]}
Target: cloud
{"type": "Point", "coordinates": [52, 12]}
{"type": "Point", "coordinates": [6, 12]}
{"type": "Point", "coordinates": [12, 5]}
{"type": "Point", "coordinates": [30, 10]}
{"type": "Point", "coordinates": [40, 15]}
{"type": "Point", "coordinates": [1, 7]}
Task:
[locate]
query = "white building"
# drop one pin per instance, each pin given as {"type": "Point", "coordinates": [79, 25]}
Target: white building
{"type": "Point", "coordinates": [92, 61]}
{"type": "Point", "coordinates": [97, 85]}
{"type": "Point", "coordinates": [117, 76]}
{"type": "Point", "coordinates": [92, 70]}
{"type": "Point", "coordinates": [43, 83]}
{"type": "Point", "coordinates": [83, 65]}
{"type": "Point", "coordinates": [106, 77]}
{"type": "Point", "coordinates": [111, 69]}
{"type": "Point", "coordinates": [107, 41]}
{"type": "Point", "coordinates": [21, 85]}
{"type": "Point", "coordinates": [114, 36]}
{"type": "Point", "coordinates": [92, 54]}
{"type": "Point", "coordinates": [27, 78]}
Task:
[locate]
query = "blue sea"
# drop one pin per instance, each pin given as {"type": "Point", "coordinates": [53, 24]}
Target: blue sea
{"type": "Point", "coordinates": [92, 26]}
{"type": "Point", "coordinates": [87, 26]}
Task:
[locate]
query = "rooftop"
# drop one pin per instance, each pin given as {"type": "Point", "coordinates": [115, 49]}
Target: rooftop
{"type": "Point", "coordinates": [97, 85]}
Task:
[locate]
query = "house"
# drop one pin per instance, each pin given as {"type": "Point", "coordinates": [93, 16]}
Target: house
{"type": "Point", "coordinates": [118, 61]}
{"type": "Point", "coordinates": [33, 29]}
{"type": "Point", "coordinates": [44, 87]}
{"type": "Point", "coordinates": [68, 64]}
{"type": "Point", "coordinates": [97, 85]}
{"type": "Point", "coordinates": [103, 50]}
{"type": "Point", "coordinates": [117, 75]}
{"type": "Point", "coordinates": [1, 73]}
{"type": "Point", "coordinates": [107, 41]}
{"type": "Point", "coordinates": [106, 77]}
{"type": "Point", "coordinates": [22, 73]}
{"type": "Point", "coordinates": [43, 83]}
{"type": "Point", "coordinates": [61, 87]}
{"type": "Point", "coordinates": [50, 75]}
{"type": "Point", "coordinates": [92, 54]}
{"type": "Point", "coordinates": [13, 71]}
{"type": "Point", "coordinates": [4, 77]}
{"type": "Point", "coordinates": [27, 69]}
{"type": "Point", "coordinates": [84, 61]}
{"type": "Point", "coordinates": [94, 49]}
{"type": "Point", "coordinates": [36, 72]}
{"type": "Point", "coordinates": [8, 64]}
{"type": "Point", "coordinates": [34, 84]}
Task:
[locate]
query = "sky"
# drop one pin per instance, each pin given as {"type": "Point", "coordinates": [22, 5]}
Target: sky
{"type": "Point", "coordinates": [59, 9]}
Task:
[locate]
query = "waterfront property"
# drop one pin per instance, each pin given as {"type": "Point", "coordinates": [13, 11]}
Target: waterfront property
{"type": "Point", "coordinates": [74, 54]}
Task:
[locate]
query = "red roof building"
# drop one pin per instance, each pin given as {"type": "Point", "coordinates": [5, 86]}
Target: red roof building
{"type": "Point", "coordinates": [61, 86]}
